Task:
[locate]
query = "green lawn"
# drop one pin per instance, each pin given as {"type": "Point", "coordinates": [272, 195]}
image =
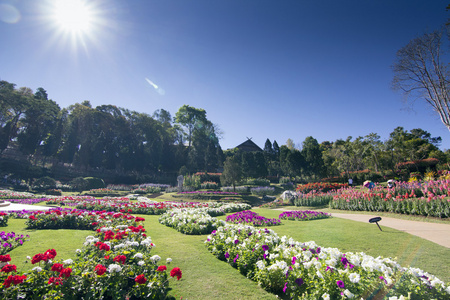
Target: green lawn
{"type": "Point", "coordinates": [205, 277]}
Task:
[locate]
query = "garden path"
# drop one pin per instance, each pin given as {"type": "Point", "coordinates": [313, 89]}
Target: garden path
{"type": "Point", "coordinates": [435, 232]}
{"type": "Point", "coordinates": [15, 206]}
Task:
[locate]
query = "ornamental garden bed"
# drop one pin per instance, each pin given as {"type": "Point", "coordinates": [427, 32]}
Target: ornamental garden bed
{"type": "Point", "coordinates": [336, 231]}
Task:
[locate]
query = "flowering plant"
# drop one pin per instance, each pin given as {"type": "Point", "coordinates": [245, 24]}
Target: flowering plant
{"type": "Point", "coordinates": [3, 219]}
{"type": "Point", "coordinates": [9, 241]}
{"type": "Point", "coordinates": [307, 271]}
{"type": "Point", "coordinates": [303, 215]}
{"type": "Point", "coordinates": [249, 217]}
{"type": "Point", "coordinates": [114, 263]}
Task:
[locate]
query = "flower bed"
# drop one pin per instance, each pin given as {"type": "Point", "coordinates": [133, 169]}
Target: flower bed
{"type": "Point", "coordinates": [9, 241]}
{"type": "Point", "coordinates": [114, 263]}
{"type": "Point", "coordinates": [204, 195]}
{"type": "Point", "coordinates": [307, 271]}
{"type": "Point", "coordinates": [190, 221]}
{"type": "Point", "coordinates": [262, 190]}
{"type": "Point", "coordinates": [320, 187]}
{"type": "Point", "coordinates": [415, 198]}
{"type": "Point", "coordinates": [6, 194]}
{"type": "Point", "coordinates": [198, 220]}
{"type": "Point", "coordinates": [249, 217]}
{"type": "Point", "coordinates": [306, 215]}
{"type": "Point", "coordinates": [313, 199]}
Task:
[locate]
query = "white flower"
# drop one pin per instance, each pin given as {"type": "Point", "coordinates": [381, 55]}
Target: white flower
{"type": "Point", "coordinates": [325, 296]}
{"type": "Point", "coordinates": [348, 294]}
{"type": "Point", "coordinates": [68, 262]}
{"type": "Point", "coordinates": [138, 255]}
{"type": "Point", "coordinates": [168, 260]}
{"type": "Point", "coordinates": [28, 257]}
{"type": "Point", "coordinates": [114, 268]}
{"type": "Point", "coordinates": [37, 269]}
{"type": "Point", "coordinates": [78, 251]}
{"type": "Point", "coordinates": [155, 258]}
{"type": "Point", "coordinates": [354, 277]}
{"type": "Point", "coordinates": [260, 264]}
{"type": "Point", "coordinates": [141, 262]}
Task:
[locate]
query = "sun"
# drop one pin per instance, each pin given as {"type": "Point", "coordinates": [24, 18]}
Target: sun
{"type": "Point", "coordinates": [73, 16]}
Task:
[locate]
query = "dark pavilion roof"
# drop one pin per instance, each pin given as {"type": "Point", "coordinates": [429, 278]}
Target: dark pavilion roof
{"type": "Point", "coordinates": [249, 146]}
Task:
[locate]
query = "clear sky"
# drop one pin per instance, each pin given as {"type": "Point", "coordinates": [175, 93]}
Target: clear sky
{"type": "Point", "coordinates": [261, 69]}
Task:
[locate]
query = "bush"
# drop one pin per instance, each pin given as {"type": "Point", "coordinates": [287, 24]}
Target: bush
{"type": "Point", "coordinates": [79, 184]}
{"type": "Point", "coordinates": [257, 181]}
{"type": "Point", "coordinates": [53, 192]}
{"type": "Point", "coordinates": [44, 183]}
{"type": "Point", "coordinates": [209, 185]}
{"type": "Point", "coordinates": [94, 183]}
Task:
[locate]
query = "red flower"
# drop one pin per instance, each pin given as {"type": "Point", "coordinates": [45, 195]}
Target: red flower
{"type": "Point", "coordinates": [50, 253]}
{"type": "Point", "coordinates": [66, 272]}
{"type": "Point", "coordinates": [161, 268]}
{"type": "Point", "coordinates": [18, 279]}
{"type": "Point", "coordinates": [32, 217]}
{"type": "Point", "coordinates": [176, 272]}
{"type": "Point", "coordinates": [57, 267]}
{"type": "Point", "coordinates": [38, 257]}
{"type": "Point", "coordinates": [106, 256]}
{"type": "Point", "coordinates": [9, 268]}
{"type": "Point", "coordinates": [100, 270]}
{"type": "Point", "coordinates": [104, 246]}
{"type": "Point", "coordinates": [140, 279]}
{"type": "Point", "coordinates": [14, 279]}
{"type": "Point", "coordinates": [5, 258]}
{"type": "Point", "coordinates": [120, 258]}
{"type": "Point", "coordinates": [55, 280]}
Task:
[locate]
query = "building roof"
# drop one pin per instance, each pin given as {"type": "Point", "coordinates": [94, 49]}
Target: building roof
{"type": "Point", "coordinates": [249, 146]}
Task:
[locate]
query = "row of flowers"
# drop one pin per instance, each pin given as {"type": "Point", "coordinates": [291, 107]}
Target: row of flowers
{"type": "Point", "coordinates": [307, 271]}
{"type": "Point", "coordinates": [7, 194]}
{"type": "Point", "coordinates": [198, 220]}
{"type": "Point", "coordinates": [114, 263]}
{"type": "Point", "coordinates": [250, 217]}
{"type": "Point", "coordinates": [320, 187]}
{"type": "Point", "coordinates": [306, 215]}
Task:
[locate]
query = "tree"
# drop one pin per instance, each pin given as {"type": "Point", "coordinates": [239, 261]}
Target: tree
{"type": "Point", "coordinates": [13, 103]}
{"type": "Point", "coordinates": [290, 144]}
{"type": "Point", "coordinates": [313, 157]}
{"type": "Point", "coordinates": [190, 117]}
{"type": "Point", "coordinates": [232, 172]}
{"type": "Point", "coordinates": [421, 73]}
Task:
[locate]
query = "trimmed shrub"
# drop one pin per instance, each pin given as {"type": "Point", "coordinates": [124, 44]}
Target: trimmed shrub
{"type": "Point", "coordinates": [94, 183]}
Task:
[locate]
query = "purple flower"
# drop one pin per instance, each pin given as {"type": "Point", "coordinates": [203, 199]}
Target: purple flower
{"type": "Point", "coordinates": [227, 255]}
{"type": "Point", "coordinates": [299, 281]}
{"type": "Point", "coordinates": [236, 242]}
{"type": "Point", "coordinates": [236, 258]}
{"type": "Point", "coordinates": [344, 261]}
{"type": "Point", "coordinates": [285, 288]}
{"type": "Point", "coordinates": [340, 284]}
{"type": "Point", "coordinates": [265, 247]}
{"type": "Point", "coordinates": [265, 256]}
{"type": "Point", "coordinates": [294, 259]}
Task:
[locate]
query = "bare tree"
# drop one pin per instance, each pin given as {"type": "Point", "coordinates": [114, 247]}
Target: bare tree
{"type": "Point", "coordinates": [421, 73]}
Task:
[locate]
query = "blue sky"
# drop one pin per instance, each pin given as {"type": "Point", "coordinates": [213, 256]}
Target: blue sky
{"type": "Point", "coordinates": [274, 69]}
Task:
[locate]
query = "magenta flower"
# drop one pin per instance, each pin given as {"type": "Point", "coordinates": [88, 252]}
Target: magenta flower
{"type": "Point", "coordinates": [340, 284]}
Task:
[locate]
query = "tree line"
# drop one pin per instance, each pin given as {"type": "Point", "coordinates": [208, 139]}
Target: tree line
{"type": "Point", "coordinates": [106, 137]}
{"type": "Point", "coordinates": [110, 138]}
